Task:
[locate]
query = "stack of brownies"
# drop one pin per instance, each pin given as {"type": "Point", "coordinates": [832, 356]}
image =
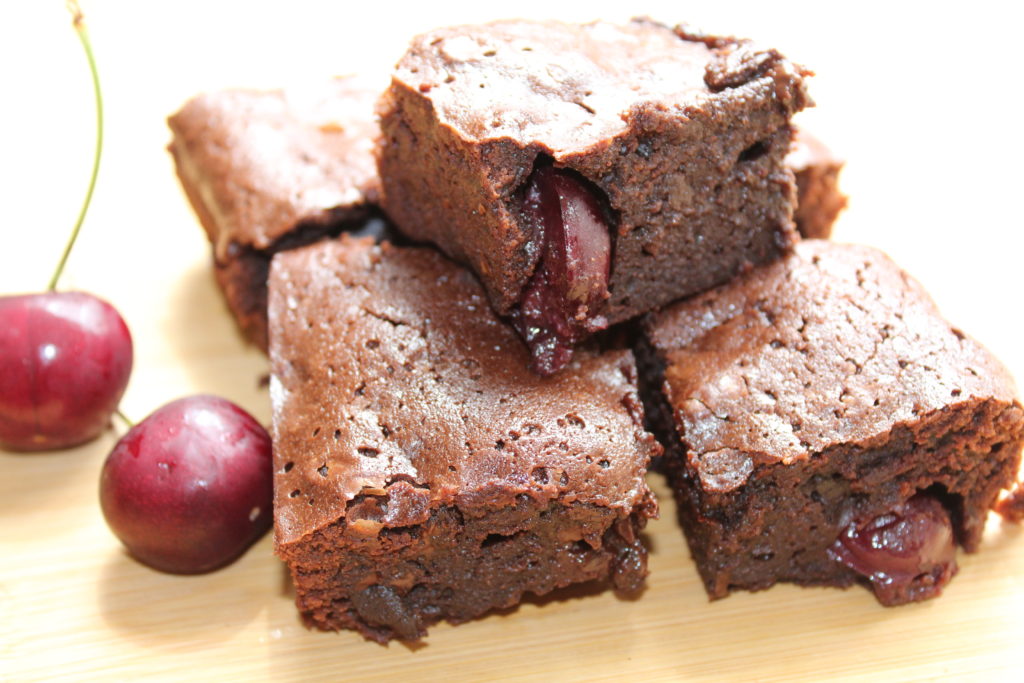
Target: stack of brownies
{"type": "Point", "coordinates": [459, 416]}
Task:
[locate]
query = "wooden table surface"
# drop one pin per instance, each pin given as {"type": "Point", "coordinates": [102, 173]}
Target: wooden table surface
{"type": "Point", "coordinates": [922, 101]}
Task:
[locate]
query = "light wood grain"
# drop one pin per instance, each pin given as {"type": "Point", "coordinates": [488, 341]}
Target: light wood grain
{"type": "Point", "coordinates": [921, 102]}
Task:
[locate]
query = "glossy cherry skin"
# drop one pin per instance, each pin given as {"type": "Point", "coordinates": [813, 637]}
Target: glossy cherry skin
{"type": "Point", "coordinates": [188, 489]}
{"type": "Point", "coordinates": [561, 302]}
{"type": "Point", "coordinates": [907, 554]}
{"type": "Point", "coordinates": [65, 359]}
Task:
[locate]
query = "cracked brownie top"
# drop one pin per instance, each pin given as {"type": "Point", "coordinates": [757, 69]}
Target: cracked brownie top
{"type": "Point", "coordinates": [574, 86]}
{"type": "Point", "coordinates": [833, 344]}
{"type": "Point", "coordinates": [391, 373]}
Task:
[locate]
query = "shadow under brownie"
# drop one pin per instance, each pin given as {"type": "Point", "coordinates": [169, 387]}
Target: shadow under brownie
{"type": "Point", "coordinates": [825, 425]}
{"type": "Point", "coordinates": [422, 472]}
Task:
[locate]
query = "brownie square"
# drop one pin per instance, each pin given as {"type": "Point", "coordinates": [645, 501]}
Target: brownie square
{"type": "Point", "coordinates": [422, 472]}
{"type": "Point", "coordinates": [679, 137]}
{"type": "Point", "coordinates": [819, 199]}
{"type": "Point", "coordinates": [268, 171]}
{"type": "Point", "coordinates": [825, 425]}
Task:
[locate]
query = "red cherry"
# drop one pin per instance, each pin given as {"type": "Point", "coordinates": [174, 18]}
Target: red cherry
{"type": "Point", "coordinates": [559, 306]}
{"type": "Point", "coordinates": [65, 358]}
{"type": "Point", "coordinates": [189, 488]}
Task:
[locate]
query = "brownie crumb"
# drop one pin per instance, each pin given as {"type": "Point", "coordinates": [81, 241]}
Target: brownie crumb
{"type": "Point", "coordinates": [1011, 507]}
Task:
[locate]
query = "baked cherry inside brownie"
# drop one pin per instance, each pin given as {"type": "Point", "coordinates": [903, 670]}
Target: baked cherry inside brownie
{"type": "Point", "coordinates": [819, 199]}
{"type": "Point", "coordinates": [267, 171]}
{"type": "Point", "coordinates": [824, 425]}
{"type": "Point", "coordinates": [589, 173]}
{"type": "Point", "coordinates": [422, 472]}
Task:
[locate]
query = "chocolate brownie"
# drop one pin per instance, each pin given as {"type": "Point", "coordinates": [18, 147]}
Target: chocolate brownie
{"type": "Point", "coordinates": [589, 173]}
{"type": "Point", "coordinates": [828, 426]}
{"type": "Point", "coordinates": [422, 472]}
{"type": "Point", "coordinates": [267, 171]}
{"type": "Point", "coordinates": [819, 199]}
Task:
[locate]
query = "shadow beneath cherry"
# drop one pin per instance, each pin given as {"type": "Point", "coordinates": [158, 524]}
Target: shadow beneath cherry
{"type": "Point", "coordinates": [35, 480]}
{"type": "Point", "coordinates": [169, 611]}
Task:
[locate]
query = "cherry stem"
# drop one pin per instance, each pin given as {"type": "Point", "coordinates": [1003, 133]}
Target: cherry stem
{"type": "Point", "coordinates": [79, 24]}
{"type": "Point", "coordinates": [124, 418]}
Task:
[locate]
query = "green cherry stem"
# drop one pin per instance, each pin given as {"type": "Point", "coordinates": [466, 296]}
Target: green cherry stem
{"type": "Point", "coordinates": [79, 24]}
{"type": "Point", "coordinates": [124, 418]}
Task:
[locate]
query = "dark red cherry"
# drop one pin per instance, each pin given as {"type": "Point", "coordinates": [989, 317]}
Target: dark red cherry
{"type": "Point", "coordinates": [907, 554]}
{"type": "Point", "coordinates": [188, 489]}
{"type": "Point", "coordinates": [561, 303]}
{"type": "Point", "coordinates": [65, 358]}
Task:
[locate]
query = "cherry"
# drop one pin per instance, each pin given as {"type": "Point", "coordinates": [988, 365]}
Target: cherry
{"type": "Point", "coordinates": [907, 554]}
{"type": "Point", "coordinates": [65, 358]}
{"type": "Point", "coordinates": [189, 488]}
{"type": "Point", "coordinates": [560, 303]}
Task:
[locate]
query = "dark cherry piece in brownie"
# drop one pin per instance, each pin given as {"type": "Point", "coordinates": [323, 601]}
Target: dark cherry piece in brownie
{"type": "Point", "coordinates": [679, 138]}
{"type": "Point", "coordinates": [825, 424]}
{"type": "Point", "coordinates": [571, 280]}
{"type": "Point", "coordinates": [422, 472]}
{"type": "Point", "coordinates": [819, 199]}
{"type": "Point", "coordinates": [268, 171]}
